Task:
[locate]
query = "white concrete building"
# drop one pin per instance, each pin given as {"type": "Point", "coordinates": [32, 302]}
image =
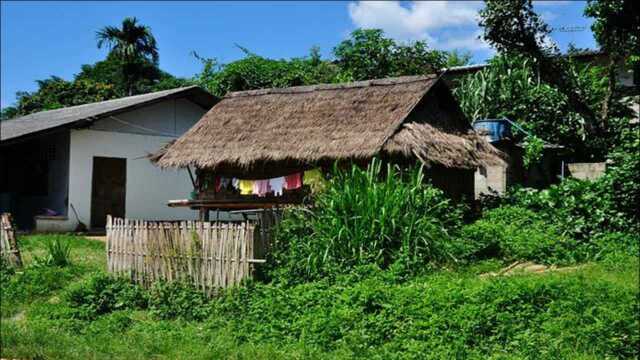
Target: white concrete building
{"type": "Point", "coordinates": [75, 165]}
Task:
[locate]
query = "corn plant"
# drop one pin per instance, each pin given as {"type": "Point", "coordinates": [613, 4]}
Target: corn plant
{"type": "Point", "coordinates": [369, 216]}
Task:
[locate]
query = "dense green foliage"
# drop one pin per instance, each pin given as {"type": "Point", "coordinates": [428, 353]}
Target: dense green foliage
{"type": "Point", "coordinates": [514, 28]}
{"type": "Point", "coordinates": [571, 222]}
{"type": "Point", "coordinates": [395, 221]}
{"type": "Point", "coordinates": [367, 54]}
{"type": "Point", "coordinates": [368, 216]}
{"type": "Point", "coordinates": [56, 93]}
{"type": "Point", "coordinates": [256, 72]}
{"type": "Point", "coordinates": [511, 87]}
{"type": "Point", "coordinates": [150, 77]}
{"type": "Point", "coordinates": [102, 294]}
{"type": "Point", "coordinates": [622, 181]}
{"type": "Point", "coordinates": [616, 27]}
{"type": "Point", "coordinates": [585, 209]}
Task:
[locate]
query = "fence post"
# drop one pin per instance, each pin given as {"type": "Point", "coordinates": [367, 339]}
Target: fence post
{"type": "Point", "coordinates": [8, 243]}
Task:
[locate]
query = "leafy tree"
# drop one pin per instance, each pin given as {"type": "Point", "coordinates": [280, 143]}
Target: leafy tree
{"type": "Point", "coordinates": [8, 113]}
{"type": "Point", "coordinates": [54, 93]}
{"type": "Point", "coordinates": [616, 27]}
{"type": "Point", "coordinates": [511, 87]}
{"type": "Point", "coordinates": [134, 45]}
{"type": "Point", "coordinates": [458, 58]}
{"type": "Point", "coordinates": [257, 72]}
{"type": "Point", "coordinates": [368, 54]}
{"type": "Point", "coordinates": [512, 26]}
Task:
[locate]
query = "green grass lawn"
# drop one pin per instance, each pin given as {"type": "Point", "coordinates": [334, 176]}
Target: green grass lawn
{"type": "Point", "coordinates": [588, 313]}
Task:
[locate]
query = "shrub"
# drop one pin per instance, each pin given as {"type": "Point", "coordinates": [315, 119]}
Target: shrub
{"type": "Point", "coordinates": [368, 216]}
{"type": "Point", "coordinates": [176, 300]}
{"type": "Point", "coordinates": [622, 179]}
{"type": "Point", "coordinates": [581, 209]}
{"type": "Point", "coordinates": [584, 209]}
{"type": "Point", "coordinates": [6, 270]}
{"type": "Point", "coordinates": [516, 233]}
{"type": "Point", "coordinates": [102, 294]}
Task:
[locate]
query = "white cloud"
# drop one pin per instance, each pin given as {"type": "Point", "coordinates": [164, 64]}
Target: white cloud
{"type": "Point", "coordinates": [443, 24]}
{"type": "Point", "coordinates": [472, 42]}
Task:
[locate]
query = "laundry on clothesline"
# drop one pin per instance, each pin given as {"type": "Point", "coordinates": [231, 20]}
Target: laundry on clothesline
{"type": "Point", "coordinates": [276, 186]}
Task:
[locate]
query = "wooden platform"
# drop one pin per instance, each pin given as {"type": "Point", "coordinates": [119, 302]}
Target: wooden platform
{"type": "Point", "coordinates": [235, 201]}
{"type": "Point", "coordinates": [227, 204]}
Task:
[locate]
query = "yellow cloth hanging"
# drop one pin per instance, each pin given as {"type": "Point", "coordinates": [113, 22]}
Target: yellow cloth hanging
{"type": "Point", "coordinates": [314, 179]}
{"type": "Point", "coordinates": [246, 187]}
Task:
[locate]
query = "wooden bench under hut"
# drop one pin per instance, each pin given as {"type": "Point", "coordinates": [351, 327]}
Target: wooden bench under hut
{"type": "Point", "coordinates": [263, 134]}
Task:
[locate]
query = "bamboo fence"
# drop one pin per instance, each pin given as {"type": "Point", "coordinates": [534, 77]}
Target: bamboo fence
{"type": "Point", "coordinates": [210, 255]}
{"type": "Point", "coordinates": [8, 243]}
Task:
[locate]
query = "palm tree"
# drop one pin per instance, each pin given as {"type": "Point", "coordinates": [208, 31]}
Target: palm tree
{"type": "Point", "coordinates": [133, 44]}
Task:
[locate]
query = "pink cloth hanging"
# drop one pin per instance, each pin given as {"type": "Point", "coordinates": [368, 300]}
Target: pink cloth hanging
{"type": "Point", "coordinates": [261, 187]}
{"type": "Point", "coordinates": [293, 181]}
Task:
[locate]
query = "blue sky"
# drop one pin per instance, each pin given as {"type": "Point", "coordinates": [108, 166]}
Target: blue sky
{"type": "Point", "coordinates": [39, 39]}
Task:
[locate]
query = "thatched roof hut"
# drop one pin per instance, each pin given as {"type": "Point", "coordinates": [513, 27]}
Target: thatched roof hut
{"type": "Point", "coordinates": [407, 116]}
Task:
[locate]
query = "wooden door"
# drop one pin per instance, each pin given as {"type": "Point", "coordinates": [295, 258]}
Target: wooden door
{"type": "Point", "coordinates": [108, 190]}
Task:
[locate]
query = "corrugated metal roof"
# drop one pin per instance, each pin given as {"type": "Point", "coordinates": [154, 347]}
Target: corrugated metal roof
{"type": "Point", "coordinates": [69, 116]}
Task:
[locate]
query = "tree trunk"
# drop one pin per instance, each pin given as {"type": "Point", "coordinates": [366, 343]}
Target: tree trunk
{"type": "Point", "coordinates": [611, 87]}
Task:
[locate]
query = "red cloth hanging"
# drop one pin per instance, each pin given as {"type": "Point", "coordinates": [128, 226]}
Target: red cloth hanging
{"type": "Point", "coordinates": [293, 181]}
{"type": "Point", "coordinates": [216, 183]}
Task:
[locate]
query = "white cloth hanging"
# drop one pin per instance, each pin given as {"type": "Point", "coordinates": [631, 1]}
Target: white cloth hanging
{"type": "Point", "coordinates": [276, 185]}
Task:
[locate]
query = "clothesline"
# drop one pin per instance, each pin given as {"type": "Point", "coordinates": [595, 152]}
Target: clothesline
{"type": "Point", "coordinates": [277, 185]}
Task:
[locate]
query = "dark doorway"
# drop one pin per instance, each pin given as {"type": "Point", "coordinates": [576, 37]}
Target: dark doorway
{"type": "Point", "coordinates": [108, 191]}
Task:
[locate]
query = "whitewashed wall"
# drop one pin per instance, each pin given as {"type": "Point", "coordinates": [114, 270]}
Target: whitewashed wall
{"type": "Point", "coordinates": [148, 188]}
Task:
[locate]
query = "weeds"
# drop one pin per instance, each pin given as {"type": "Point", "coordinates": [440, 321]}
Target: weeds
{"type": "Point", "coordinates": [58, 252]}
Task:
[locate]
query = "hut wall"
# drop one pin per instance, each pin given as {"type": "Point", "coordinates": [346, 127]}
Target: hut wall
{"type": "Point", "coordinates": [458, 184]}
{"type": "Point", "coordinates": [440, 109]}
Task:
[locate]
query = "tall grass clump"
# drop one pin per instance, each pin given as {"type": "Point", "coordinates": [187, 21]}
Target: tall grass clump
{"type": "Point", "coordinates": [379, 215]}
{"type": "Point", "coordinates": [58, 252]}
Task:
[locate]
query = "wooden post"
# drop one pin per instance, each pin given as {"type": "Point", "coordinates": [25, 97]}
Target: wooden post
{"type": "Point", "coordinates": [6, 227]}
{"type": "Point", "coordinates": [204, 214]}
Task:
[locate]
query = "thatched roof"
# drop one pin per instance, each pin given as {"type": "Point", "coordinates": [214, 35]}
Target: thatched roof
{"type": "Point", "coordinates": [310, 124]}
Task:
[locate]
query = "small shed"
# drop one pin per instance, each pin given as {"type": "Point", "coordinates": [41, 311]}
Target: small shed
{"type": "Point", "coordinates": [269, 133]}
{"type": "Point", "coordinates": [508, 137]}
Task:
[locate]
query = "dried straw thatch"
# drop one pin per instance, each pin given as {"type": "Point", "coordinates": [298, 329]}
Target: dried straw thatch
{"type": "Point", "coordinates": [156, 156]}
{"type": "Point", "coordinates": [310, 124]}
{"type": "Point", "coordinates": [433, 146]}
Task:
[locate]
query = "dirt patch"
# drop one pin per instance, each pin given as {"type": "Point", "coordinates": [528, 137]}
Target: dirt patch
{"type": "Point", "coordinates": [99, 238]}
{"type": "Point", "coordinates": [527, 267]}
